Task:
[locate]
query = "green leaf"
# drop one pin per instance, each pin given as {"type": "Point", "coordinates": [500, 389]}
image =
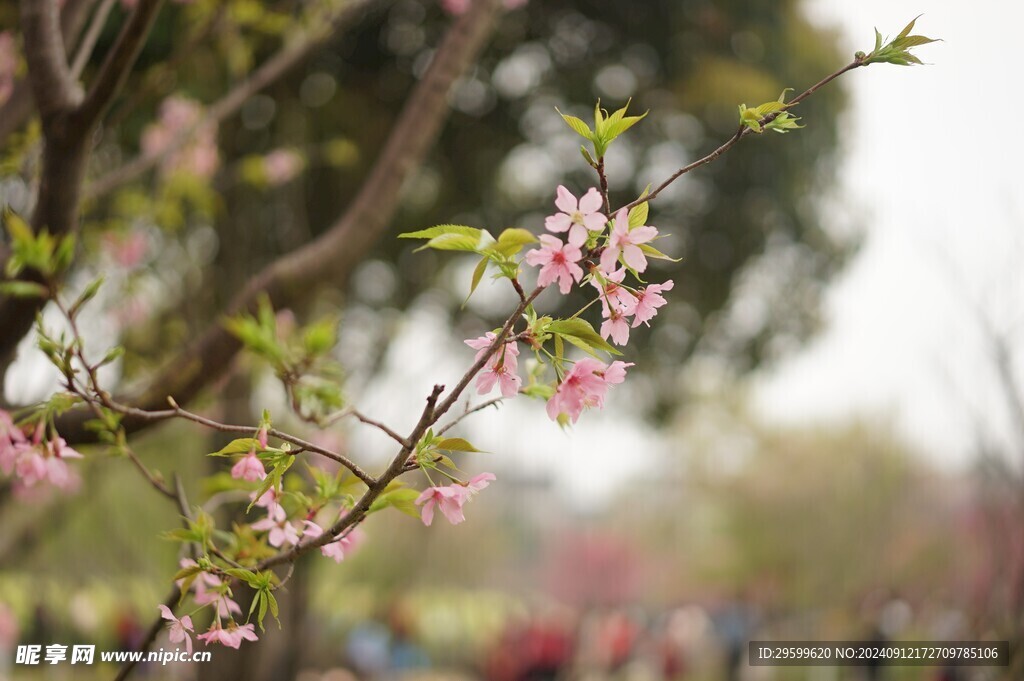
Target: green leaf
{"type": "Point", "coordinates": [908, 28]}
{"type": "Point", "coordinates": [441, 230]}
{"type": "Point", "coordinates": [240, 446]}
{"type": "Point", "coordinates": [578, 126]}
{"type": "Point", "coordinates": [456, 444]}
{"type": "Point", "coordinates": [88, 294]}
{"type": "Point", "coordinates": [190, 571]}
{"type": "Point", "coordinates": [320, 337]}
{"type": "Point", "coordinates": [478, 274]}
{"type": "Point", "coordinates": [577, 331]}
{"type": "Point", "coordinates": [784, 122]}
{"type": "Point", "coordinates": [17, 227]}
{"type": "Point", "coordinates": [24, 289]}
{"type": "Point", "coordinates": [587, 157]}
{"type": "Point", "coordinates": [402, 499]}
{"type": "Point", "coordinates": [638, 213]}
{"type": "Point", "coordinates": [247, 576]}
{"type": "Point", "coordinates": [652, 252]}
{"type": "Point", "coordinates": [273, 606]}
{"type": "Point", "coordinates": [512, 240]}
{"type": "Point", "coordinates": [769, 107]}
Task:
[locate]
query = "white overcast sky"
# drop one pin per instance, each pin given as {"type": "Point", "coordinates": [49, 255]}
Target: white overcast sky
{"type": "Point", "coordinates": [942, 226]}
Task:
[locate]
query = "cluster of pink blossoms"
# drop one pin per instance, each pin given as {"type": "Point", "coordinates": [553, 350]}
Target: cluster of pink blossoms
{"type": "Point", "coordinates": [623, 307]}
{"type": "Point", "coordinates": [209, 589]}
{"type": "Point", "coordinates": [450, 499]}
{"type": "Point", "coordinates": [35, 460]}
{"type": "Point", "coordinates": [200, 156]}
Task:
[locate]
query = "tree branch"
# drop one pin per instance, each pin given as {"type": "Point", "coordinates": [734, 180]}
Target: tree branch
{"type": "Point", "coordinates": [431, 414]}
{"type": "Point", "coordinates": [68, 121]}
{"type": "Point", "coordinates": [118, 64]}
{"type": "Point", "coordinates": [270, 71]}
{"type": "Point", "coordinates": [53, 87]}
{"type": "Point", "coordinates": [741, 132]}
{"type": "Point", "coordinates": [331, 257]}
{"type": "Point", "coordinates": [18, 107]}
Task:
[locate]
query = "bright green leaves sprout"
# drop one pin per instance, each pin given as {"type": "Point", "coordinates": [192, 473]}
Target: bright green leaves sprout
{"type": "Point", "coordinates": [606, 129]}
{"type": "Point", "coordinates": [769, 116]}
{"type": "Point", "coordinates": [46, 254]}
{"type": "Point", "coordinates": [397, 495]}
{"type": "Point", "coordinates": [432, 452]}
{"type": "Point", "coordinates": [501, 251]}
{"type": "Point", "coordinates": [300, 358]}
{"type": "Point", "coordinates": [897, 50]}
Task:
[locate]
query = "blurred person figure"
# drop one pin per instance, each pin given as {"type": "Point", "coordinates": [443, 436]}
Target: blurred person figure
{"type": "Point", "coordinates": [537, 649]}
{"type": "Point", "coordinates": [735, 623]}
{"type": "Point", "coordinates": [404, 654]}
{"type": "Point", "coordinates": [367, 647]}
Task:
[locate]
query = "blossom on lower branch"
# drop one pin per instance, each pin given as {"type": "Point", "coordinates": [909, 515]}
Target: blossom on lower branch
{"type": "Point", "coordinates": [585, 386]}
{"type": "Point", "coordinates": [35, 460]}
{"type": "Point", "coordinates": [179, 627]}
{"type": "Point", "coordinates": [557, 261]}
{"type": "Point", "coordinates": [501, 368]}
{"type": "Point", "coordinates": [231, 637]}
{"type": "Point", "coordinates": [340, 546]}
{"type": "Point", "coordinates": [451, 498]}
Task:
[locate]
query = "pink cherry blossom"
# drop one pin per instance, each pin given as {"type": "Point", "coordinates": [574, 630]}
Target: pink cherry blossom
{"type": "Point", "coordinates": [281, 166]}
{"type": "Point", "coordinates": [557, 261]}
{"type": "Point", "coordinates": [613, 294]}
{"type": "Point", "coordinates": [221, 602]}
{"type": "Point", "coordinates": [448, 499]}
{"type": "Point", "coordinates": [268, 500]}
{"type": "Point", "coordinates": [249, 467]}
{"type": "Point", "coordinates": [30, 466]}
{"type": "Point", "coordinates": [231, 637]}
{"type": "Point", "coordinates": [616, 326]}
{"type": "Point", "coordinates": [127, 250]}
{"type": "Point", "coordinates": [178, 115]}
{"type": "Point", "coordinates": [335, 549]}
{"type": "Point", "coordinates": [11, 436]}
{"type": "Point", "coordinates": [501, 368]}
{"type": "Point", "coordinates": [585, 386]}
{"type": "Point", "coordinates": [648, 300]}
{"type": "Point", "coordinates": [577, 217]}
{"type": "Point", "coordinates": [261, 437]}
{"type": "Point", "coordinates": [280, 532]}
{"type": "Point", "coordinates": [179, 627]}
{"type": "Point", "coordinates": [451, 499]}
{"type": "Point", "coordinates": [626, 242]}
{"type": "Point", "coordinates": [478, 482]}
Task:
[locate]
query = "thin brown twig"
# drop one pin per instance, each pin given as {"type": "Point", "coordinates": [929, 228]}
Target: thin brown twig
{"type": "Point", "coordinates": [272, 432]}
{"type": "Point", "coordinates": [740, 133]}
{"type": "Point", "coordinates": [433, 410]}
{"type": "Point", "coordinates": [293, 52]}
{"type": "Point", "coordinates": [92, 34]}
{"type": "Point", "coordinates": [379, 426]}
{"type": "Point", "coordinates": [480, 407]}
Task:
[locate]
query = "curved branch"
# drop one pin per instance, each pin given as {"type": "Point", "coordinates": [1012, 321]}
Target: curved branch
{"type": "Point", "coordinates": [115, 68]}
{"type": "Point", "coordinates": [331, 257]}
{"type": "Point", "coordinates": [18, 107]}
{"type": "Point", "coordinates": [296, 50]}
{"type": "Point", "coordinates": [68, 122]}
{"type": "Point", "coordinates": [742, 132]}
{"type": "Point", "coordinates": [54, 89]}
